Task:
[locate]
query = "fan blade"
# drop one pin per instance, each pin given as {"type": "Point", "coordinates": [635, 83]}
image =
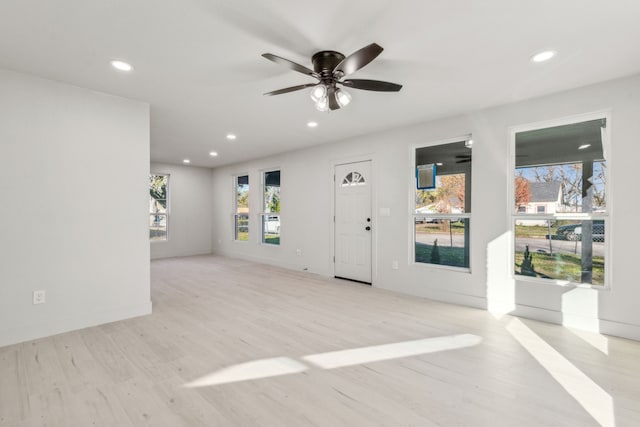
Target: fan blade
{"type": "Point", "coordinates": [333, 101]}
{"type": "Point", "coordinates": [372, 85]}
{"type": "Point", "coordinates": [358, 59]}
{"type": "Point", "coordinates": [290, 64]}
{"type": "Point", "coordinates": [290, 89]}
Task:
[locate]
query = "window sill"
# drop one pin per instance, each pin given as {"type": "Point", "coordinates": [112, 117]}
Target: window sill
{"type": "Point", "coordinates": [442, 267]}
{"type": "Point", "coordinates": [558, 283]}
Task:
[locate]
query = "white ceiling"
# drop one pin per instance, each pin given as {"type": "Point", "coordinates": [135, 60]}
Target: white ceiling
{"type": "Point", "coordinates": [198, 63]}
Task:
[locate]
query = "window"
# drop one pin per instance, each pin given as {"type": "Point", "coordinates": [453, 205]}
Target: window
{"type": "Point", "coordinates": [271, 205]}
{"type": "Point", "coordinates": [561, 170]}
{"type": "Point", "coordinates": [353, 178]}
{"type": "Point", "coordinates": [241, 214]}
{"type": "Point", "coordinates": [442, 214]}
{"type": "Point", "coordinates": [158, 207]}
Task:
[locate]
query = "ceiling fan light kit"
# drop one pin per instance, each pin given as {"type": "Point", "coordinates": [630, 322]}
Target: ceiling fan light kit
{"type": "Point", "coordinates": [322, 104]}
{"type": "Point", "coordinates": [343, 97]}
{"type": "Point", "coordinates": [330, 67]}
{"type": "Point", "coordinates": [318, 92]}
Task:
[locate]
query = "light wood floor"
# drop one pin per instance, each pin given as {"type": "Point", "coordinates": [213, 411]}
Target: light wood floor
{"type": "Point", "coordinates": [221, 323]}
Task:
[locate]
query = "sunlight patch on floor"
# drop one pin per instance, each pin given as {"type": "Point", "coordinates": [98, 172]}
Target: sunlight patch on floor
{"type": "Point", "coordinates": [597, 402]}
{"type": "Point", "coordinates": [358, 356]}
{"type": "Point", "coordinates": [252, 370]}
{"type": "Point", "coordinates": [277, 366]}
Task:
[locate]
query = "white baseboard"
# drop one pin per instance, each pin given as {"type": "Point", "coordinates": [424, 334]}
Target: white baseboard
{"type": "Point", "coordinates": [444, 296]}
{"type": "Point", "coordinates": [180, 254]}
{"type": "Point", "coordinates": [70, 322]}
{"type": "Point", "coordinates": [618, 329]}
{"type": "Point", "coordinates": [274, 262]}
{"type": "Point", "coordinates": [591, 324]}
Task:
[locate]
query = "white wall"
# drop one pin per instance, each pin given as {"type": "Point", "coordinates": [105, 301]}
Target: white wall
{"type": "Point", "coordinates": [190, 204]}
{"type": "Point", "coordinates": [74, 168]}
{"type": "Point", "coordinates": [307, 211]}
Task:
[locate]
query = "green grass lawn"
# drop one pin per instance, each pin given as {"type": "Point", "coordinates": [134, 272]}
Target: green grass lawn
{"type": "Point", "coordinates": [540, 231]}
{"type": "Point", "coordinates": [456, 227]}
{"type": "Point", "coordinates": [534, 231]}
{"type": "Point", "coordinates": [555, 266]}
{"type": "Point", "coordinates": [562, 266]}
{"type": "Point", "coordinates": [272, 240]}
{"type": "Point", "coordinates": [448, 255]}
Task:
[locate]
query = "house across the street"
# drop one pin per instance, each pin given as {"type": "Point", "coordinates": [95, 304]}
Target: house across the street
{"type": "Point", "coordinates": [546, 198]}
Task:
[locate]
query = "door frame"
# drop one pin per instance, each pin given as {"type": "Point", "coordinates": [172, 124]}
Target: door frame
{"type": "Point", "coordinates": [369, 157]}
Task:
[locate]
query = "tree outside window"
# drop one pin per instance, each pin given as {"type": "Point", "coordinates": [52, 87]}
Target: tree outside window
{"type": "Point", "coordinates": [442, 214]}
{"type": "Point", "coordinates": [241, 214]}
{"type": "Point", "coordinates": [560, 203]}
{"type": "Point", "coordinates": [271, 205]}
{"type": "Point", "coordinates": [158, 207]}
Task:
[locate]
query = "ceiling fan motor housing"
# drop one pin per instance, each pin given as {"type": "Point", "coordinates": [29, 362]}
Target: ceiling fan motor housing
{"type": "Point", "coordinates": [324, 62]}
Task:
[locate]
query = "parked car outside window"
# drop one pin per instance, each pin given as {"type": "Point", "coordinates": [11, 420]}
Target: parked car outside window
{"type": "Point", "coordinates": [573, 232]}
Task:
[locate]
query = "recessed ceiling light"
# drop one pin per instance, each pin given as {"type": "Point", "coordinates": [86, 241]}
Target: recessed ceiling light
{"type": "Point", "coordinates": [121, 65]}
{"type": "Point", "coordinates": [543, 56]}
{"type": "Point", "coordinates": [231, 136]}
{"type": "Point", "coordinates": [213, 154]}
{"type": "Point", "coordinates": [583, 146]}
{"type": "Point", "coordinates": [186, 161]}
{"type": "Point", "coordinates": [312, 124]}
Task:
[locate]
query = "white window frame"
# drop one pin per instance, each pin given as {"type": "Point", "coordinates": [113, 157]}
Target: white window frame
{"type": "Point", "coordinates": [263, 213]}
{"type": "Point", "coordinates": [514, 217]}
{"type": "Point", "coordinates": [413, 215]}
{"type": "Point", "coordinates": [166, 214]}
{"type": "Point", "coordinates": [234, 204]}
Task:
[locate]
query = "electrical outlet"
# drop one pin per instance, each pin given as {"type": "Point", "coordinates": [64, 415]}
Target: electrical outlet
{"type": "Point", "coordinates": [39, 297]}
{"type": "Point", "coordinates": [394, 264]}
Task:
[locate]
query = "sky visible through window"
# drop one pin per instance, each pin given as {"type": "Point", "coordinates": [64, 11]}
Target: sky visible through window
{"type": "Point", "coordinates": [570, 177]}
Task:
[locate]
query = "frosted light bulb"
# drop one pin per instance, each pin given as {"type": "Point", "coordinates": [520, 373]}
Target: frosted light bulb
{"type": "Point", "coordinates": [323, 104]}
{"type": "Point", "coordinates": [343, 97]}
{"type": "Point", "coordinates": [318, 92]}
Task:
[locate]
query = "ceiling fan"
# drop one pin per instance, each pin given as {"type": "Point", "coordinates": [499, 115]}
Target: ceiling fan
{"type": "Point", "coordinates": [330, 67]}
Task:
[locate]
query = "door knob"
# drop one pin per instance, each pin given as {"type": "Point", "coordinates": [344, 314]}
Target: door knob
{"type": "Point", "coordinates": [367, 228]}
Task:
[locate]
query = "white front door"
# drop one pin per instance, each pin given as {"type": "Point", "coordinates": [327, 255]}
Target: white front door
{"type": "Point", "coordinates": [353, 222]}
